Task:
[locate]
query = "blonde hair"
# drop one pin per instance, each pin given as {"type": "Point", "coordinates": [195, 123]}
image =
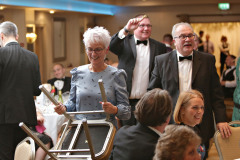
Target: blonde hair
{"type": "Point", "coordinates": [183, 101]}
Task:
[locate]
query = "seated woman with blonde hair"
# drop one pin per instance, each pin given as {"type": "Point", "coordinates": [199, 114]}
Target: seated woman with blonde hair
{"type": "Point", "coordinates": [177, 143]}
{"type": "Point", "coordinates": [189, 111]}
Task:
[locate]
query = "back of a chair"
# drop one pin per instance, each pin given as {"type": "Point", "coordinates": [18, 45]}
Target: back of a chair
{"type": "Point", "coordinates": [228, 148]}
{"type": "Point", "coordinates": [99, 141]}
{"type": "Point", "coordinates": [25, 150]}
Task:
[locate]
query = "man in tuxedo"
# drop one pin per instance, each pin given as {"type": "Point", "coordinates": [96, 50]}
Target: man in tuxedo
{"type": "Point", "coordinates": [138, 142]}
{"type": "Point", "coordinates": [59, 73]}
{"type": "Point", "coordinates": [136, 53]}
{"type": "Point", "coordinates": [19, 82]}
{"type": "Point", "coordinates": [228, 78]}
{"type": "Point", "coordinates": [168, 41]}
{"type": "Point", "coordinates": [184, 69]}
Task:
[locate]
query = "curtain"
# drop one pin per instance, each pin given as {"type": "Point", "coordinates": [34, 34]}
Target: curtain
{"type": "Point", "coordinates": [230, 29]}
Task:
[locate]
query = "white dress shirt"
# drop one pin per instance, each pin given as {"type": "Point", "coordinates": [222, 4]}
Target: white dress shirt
{"type": "Point", "coordinates": [184, 73]}
{"type": "Point", "coordinates": [140, 78]}
{"type": "Point", "coordinates": [156, 131]}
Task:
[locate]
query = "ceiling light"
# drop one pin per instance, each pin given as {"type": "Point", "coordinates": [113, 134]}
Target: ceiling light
{"type": "Point", "coordinates": [51, 12]}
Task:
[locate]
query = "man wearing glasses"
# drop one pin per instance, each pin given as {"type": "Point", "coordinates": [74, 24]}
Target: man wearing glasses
{"type": "Point", "coordinates": [184, 69]}
{"type": "Point", "coordinates": [136, 53]}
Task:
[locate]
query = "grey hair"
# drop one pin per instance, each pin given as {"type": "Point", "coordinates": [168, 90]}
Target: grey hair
{"type": "Point", "coordinates": [98, 35]}
{"type": "Point", "coordinates": [9, 29]}
{"type": "Point", "coordinates": [180, 24]}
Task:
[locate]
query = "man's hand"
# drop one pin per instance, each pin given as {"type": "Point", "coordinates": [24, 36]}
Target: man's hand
{"type": "Point", "coordinates": [133, 23]}
{"type": "Point", "coordinates": [224, 129]}
{"type": "Point", "coordinates": [223, 83]}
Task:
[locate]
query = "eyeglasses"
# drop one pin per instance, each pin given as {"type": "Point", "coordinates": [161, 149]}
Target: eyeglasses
{"type": "Point", "coordinates": [143, 26]}
{"type": "Point", "coordinates": [96, 50]}
{"type": "Point", "coordinates": [184, 37]}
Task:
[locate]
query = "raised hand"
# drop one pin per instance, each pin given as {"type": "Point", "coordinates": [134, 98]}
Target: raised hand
{"type": "Point", "coordinates": [133, 23]}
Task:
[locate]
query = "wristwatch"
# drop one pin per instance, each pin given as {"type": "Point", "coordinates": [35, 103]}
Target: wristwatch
{"type": "Point", "coordinates": [125, 30]}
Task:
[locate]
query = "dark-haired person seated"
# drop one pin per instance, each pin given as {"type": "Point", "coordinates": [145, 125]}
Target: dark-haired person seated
{"type": "Point", "coordinates": [228, 78]}
{"type": "Point", "coordinates": [138, 142]}
{"type": "Point", "coordinates": [178, 143]}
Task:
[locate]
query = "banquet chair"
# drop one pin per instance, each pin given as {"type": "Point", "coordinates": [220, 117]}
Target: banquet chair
{"type": "Point", "coordinates": [228, 148]}
{"type": "Point", "coordinates": [84, 139]}
{"type": "Point", "coordinates": [87, 139]}
{"type": "Point", "coordinates": [25, 150]}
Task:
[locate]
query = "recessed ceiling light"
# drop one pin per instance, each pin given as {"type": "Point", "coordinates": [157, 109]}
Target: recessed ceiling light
{"type": "Point", "coordinates": [51, 12]}
{"type": "Point", "coordinates": [1, 7]}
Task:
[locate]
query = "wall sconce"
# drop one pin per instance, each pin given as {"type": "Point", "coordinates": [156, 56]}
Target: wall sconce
{"type": "Point", "coordinates": [31, 37]}
{"type": "Point", "coordinates": [51, 11]}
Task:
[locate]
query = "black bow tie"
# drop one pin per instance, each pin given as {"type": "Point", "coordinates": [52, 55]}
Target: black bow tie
{"type": "Point", "coordinates": [228, 67]}
{"type": "Point", "coordinates": [143, 42]}
{"type": "Point", "coordinates": [187, 57]}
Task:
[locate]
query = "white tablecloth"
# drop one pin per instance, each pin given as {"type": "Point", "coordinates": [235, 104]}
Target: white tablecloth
{"type": "Point", "coordinates": [53, 123]}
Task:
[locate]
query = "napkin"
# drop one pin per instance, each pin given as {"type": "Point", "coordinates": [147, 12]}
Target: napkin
{"type": "Point", "coordinates": [40, 128]}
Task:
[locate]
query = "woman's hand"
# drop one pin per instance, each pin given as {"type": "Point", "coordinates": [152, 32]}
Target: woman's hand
{"type": "Point", "coordinates": [40, 119]}
{"type": "Point", "coordinates": [109, 108]}
{"type": "Point", "coordinates": [60, 108]}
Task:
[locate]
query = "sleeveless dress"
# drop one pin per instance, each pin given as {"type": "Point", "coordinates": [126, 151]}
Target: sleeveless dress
{"type": "Point", "coordinates": [236, 95]}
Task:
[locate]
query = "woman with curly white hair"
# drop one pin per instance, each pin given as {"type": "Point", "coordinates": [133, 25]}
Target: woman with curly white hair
{"type": "Point", "coordinates": [85, 94]}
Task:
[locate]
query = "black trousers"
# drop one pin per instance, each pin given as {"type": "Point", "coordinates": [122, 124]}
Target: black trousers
{"type": "Point", "coordinates": [132, 120]}
{"type": "Point", "coordinates": [222, 61]}
{"type": "Point", "coordinates": [10, 136]}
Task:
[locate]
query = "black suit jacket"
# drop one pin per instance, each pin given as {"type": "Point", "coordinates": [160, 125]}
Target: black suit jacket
{"type": "Point", "coordinates": [134, 143]}
{"type": "Point", "coordinates": [204, 79]}
{"type": "Point", "coordinates": [66, 87]}
{"type": "Point", "coordinates": [125, 49]}
{"type": "Point", "coordinates": [19, 82]}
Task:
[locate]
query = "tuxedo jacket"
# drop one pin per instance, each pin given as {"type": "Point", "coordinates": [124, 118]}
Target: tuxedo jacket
{"type": "Point", "coordinates": [19, 82]}
{"type": "Point", "coordinates": [134, 143]}
{"type": "Point", "coordinates": [125, 49]}
{"type": "Point", "coordinates": [66, 87]}
{"type": "Point", "coordinates": [204, 79]}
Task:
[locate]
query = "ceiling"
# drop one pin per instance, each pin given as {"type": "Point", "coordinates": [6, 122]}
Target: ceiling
{"type": "Point", "coordinates": [105, 7]}
{"type": "Point", "coordinates": [162, 2]}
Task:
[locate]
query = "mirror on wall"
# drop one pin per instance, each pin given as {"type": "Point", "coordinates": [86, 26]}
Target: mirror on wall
{"type": "Point", "coordinates": [59, 39]}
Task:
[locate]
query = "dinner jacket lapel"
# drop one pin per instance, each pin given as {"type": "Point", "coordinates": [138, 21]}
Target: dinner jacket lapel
{"type": "Point", "coordinates": [173, 66]}
{"type": "Point", "coordinates": [196, 65]}
{"type": "Point", "coordinates": [152, 55]}
{"type": "Point", "coordinates": [133, 46]}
